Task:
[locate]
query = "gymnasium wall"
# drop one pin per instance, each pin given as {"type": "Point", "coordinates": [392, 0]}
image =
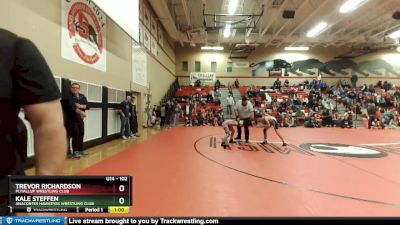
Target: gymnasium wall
{"type": "Point", "coordinates": [372, 67]}
{"type": "Point", "coordinates": [40, 21]}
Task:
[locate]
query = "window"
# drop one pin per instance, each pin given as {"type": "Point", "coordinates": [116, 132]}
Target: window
{"type": "Point", "coordinates": [197, 67]}
{"type": "Point", "coordinates": [214, 67]}
{"type": "Point", "coordinates": [229, 67]}
{"type": "Point", "coordinates": [185, 66]}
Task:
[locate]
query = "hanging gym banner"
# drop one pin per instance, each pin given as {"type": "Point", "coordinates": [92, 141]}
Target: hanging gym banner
{"type": "Point", "coordinates": [208, 77]}
{"type": "Point", "coordinates": [83, 34]}
{"type": "Point", "coordinates": [139, 69]}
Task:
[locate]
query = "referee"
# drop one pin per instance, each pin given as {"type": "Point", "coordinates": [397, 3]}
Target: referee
{"type": "Point", "coordinates": [244, 111]}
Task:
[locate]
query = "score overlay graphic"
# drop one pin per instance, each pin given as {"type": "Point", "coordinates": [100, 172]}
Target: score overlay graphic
{"type": "Point", "coordinates": [88, 194]}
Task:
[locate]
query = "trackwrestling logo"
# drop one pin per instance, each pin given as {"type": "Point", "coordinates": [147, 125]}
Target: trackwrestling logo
{"type": "Point", "coordinates": [86, 32]}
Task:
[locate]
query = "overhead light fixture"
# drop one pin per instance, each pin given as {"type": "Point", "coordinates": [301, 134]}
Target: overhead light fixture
{"type": "Point", "coordinates": [297, 48]}
{"type": "Point", "coordinates": [213, 48]}
{"type": "Point", "coordinates": [395, 35]}
{"type": "Point", "coordinates": [351, 5]}
{"type": "Point", "coordinates": [317, 30]}
{"type": "Point", "coordinates": [232, 6]}
{"type": "Point", "coordinates": [136, 46]}
{"type": "Point", "coordinates": [227, 31]}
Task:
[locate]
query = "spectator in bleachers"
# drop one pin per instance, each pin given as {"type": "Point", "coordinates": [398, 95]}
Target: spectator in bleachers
{"type": "Point", "coordinates": [155, 117]}
{"type": "Point", "coordinates": [277, 84]}
{"type": "Point", "coordinates": [177, 111]}
{"type": "Point", "coordinates": [163, 111]}
{"type": "Point", "coordinates": [354, 79]}
{"type": "Point", "coordinates": [379, 84]}
{"type": "Point", "coordinates": [230, 103]}
{"type": "Point", "coordinates": [210, 96]}
{"type": "Point", "coordinates": [364, 88]}
{"type": "Point", "coordinates": [377, 124]}
{"type": "Point", "coordinates": [328, 104]}
{"type": "Point", "coordinates": [347, 121]}
{"type": "Point", "coordinates": [217, 85]}
{"type": "Point", "coordinates": [237, 83]}
{"type": "Point", "coordinates": [318, 119]}
{"type": "Point", "coordinates": [286, 83]}
{"type": "Point", "coordinates": [307, 85]}
{"type": "Point", "coordinates": [351, 98]}
{"type": "Point", "coordinates": [198, 83]}
{"type": "Point", "coordinates": [309, 120]}
{"type": "Point", "coordinates": [189, 109]}
{"type": "Point", "coordinates": [218, 95]}
{"type": "Point", "coordinates": [289, 121]}
{"type": "Point", "coordinates": [336, 119]}
{"type": "Point", "coordinates": [327, 118]}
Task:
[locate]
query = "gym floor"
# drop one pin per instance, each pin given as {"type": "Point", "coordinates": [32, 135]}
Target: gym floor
{"type": "Point", "coordinates": [184, 171]}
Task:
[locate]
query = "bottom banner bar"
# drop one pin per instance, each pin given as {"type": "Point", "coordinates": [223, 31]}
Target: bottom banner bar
{"type": "Point", "coordinates": [33, 220]}
{"type": "Point", "coordinates": [175, 220]}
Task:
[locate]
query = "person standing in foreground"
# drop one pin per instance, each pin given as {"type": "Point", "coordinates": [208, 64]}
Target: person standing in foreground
{"type": "Point", "coordinates": [27, 82]}
{"type": "Point", "coordinates": [244, 111]}
{"type": "Point", "coordinates": [75, 106]}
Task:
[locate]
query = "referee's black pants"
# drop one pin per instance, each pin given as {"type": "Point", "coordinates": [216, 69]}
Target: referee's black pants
{"type": "Point", "coordinates": [246, 124]}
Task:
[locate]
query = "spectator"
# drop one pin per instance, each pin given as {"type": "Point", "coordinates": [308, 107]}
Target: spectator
{"type": "Point", "coordinates": [210, 96]}
{"type": "Point", "coordinates": [351, 97]}
{"type": "Point", "coordinates": [217, 85]}
{"type": "Point", "coordinates": [230, 104]}
{"type": "Point", "coordinates": [244, 112]}
{"type": "Point", "coordinates": [218, 95]}
{"type": "Point", "coordinates": [189, 108]}
{"type": "Point", "coordinates": [237, 83]}
{"type": "Point", "coordinates": [347, 120]}
{"type": "Point", "coordinates": [336, 119]}
{"type": "Point", "coordinates": [124, 116]}
{"type": "Point", "coordinates": [286, 83]}
{"type": "Point", "coordinates": [75, 105]}
{"type": "Point", "coordinates": [277, 84]}
{"type": "Point", "coordinates": [149, 111]}
{"type": "Point", "coordinates": [177, 111]}
{"type": "Point", "coordinates": [163, 114]}
{"type": "Point", "coordinates": [27, 82]}
{"type": "Point", "coordinates": [354, 79]}
{"type": "Point", "coordinates": [371, 113]}
{"type": "Point", "coordinates": [197, 83]}
{"type": "Point", "coordinates": [168, 114]}
{"type": "Point", "coordinates": [289, 121]}
{"type": "Point", "coordinates": [134, 117]}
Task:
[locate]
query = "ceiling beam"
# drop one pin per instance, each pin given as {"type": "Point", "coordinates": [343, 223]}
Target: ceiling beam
{"type": "Point", "coordinates": [373, 26]}
{"type": "Point", "coordinates": [304, 21]}
{"type": "Point", "coordinates": [362, 18]}
{"type": "Point", "coordinates": [302, 4]}
{"type": "Point", "coordinates": [186, 15]}
{"type": "Point", "coordinates": [387, 29]}
{"type": "Point", "coordinates": [336, 21]}
{"type": "Point", "coordinates": [276, 16]}
{"type": "Point", "coordinates": [186, 12]}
